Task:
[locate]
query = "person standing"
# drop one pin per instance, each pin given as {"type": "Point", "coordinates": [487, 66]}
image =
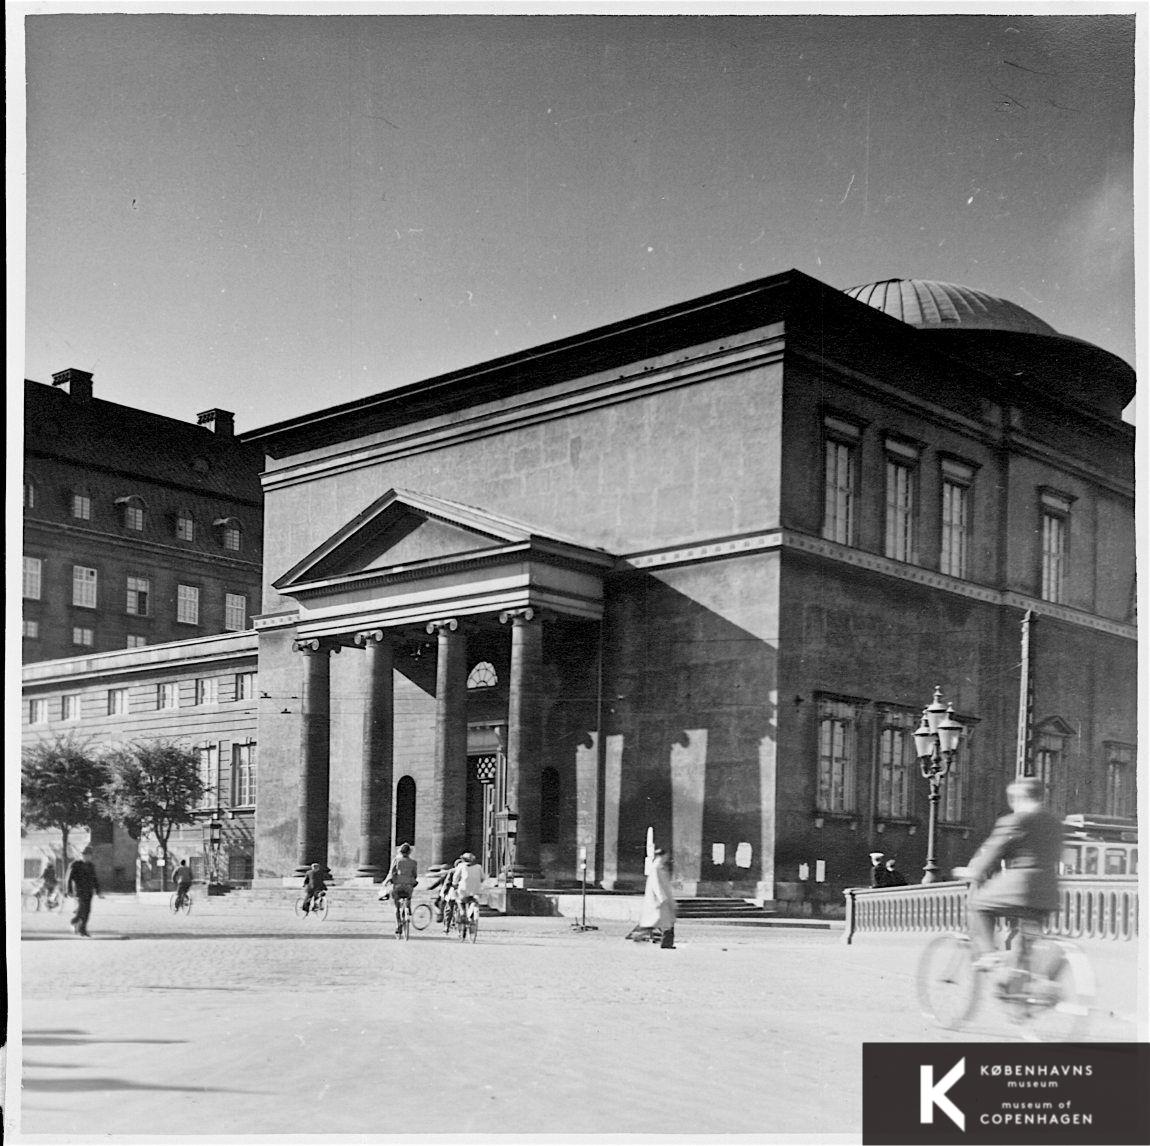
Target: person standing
{"type": "Point", "coordinates": [878, 874]}
{"type": "Point", "coordinates": [81, 882]}
{"type": "Point", "coordinates": [894, 877]}
{"type": "Point", "coordinates": [659, 900]}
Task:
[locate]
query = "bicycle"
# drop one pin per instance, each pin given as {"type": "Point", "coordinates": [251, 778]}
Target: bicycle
{"type": "Point", "coordinates": [178, 904]}
{"type": "Point", "coordinates": [403, 917]}
{"type": "Point", "coordinates": [42, 900]}
{"type": "Point", "coordinates": [1045, 983]}
{"type": "Point", "coordinates": [467, 921]}
{"type": "Point", "coordinates": [318, 908]}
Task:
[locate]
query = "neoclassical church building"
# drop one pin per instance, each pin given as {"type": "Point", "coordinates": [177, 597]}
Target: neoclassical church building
{"type": "Point", "coordinates": [693, 577]}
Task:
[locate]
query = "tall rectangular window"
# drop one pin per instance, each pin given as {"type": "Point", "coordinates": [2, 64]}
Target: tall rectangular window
{"type": "Point", "coordinates": [1055, 530]}
{"type": "Point", "coordinates": [235, 611]}
{"type": "Point", "coordinates": [245, 686]}
{"type": "Point", "coordinates": [70, 706]}
{"type": "Point", "coordinates": [82, 635]}
{"type": "Point", "coordinates": [901, 473]}
{"type": "Point", "coordinates": [1049, 748]}
{"type": "Point", "coordinates": [33, 568]}
{"type": "Point", "coordinates": [209, 773]}
{"type": "Point", "coordinates": [83, 586]}
{"type": "Point", "coordinates": [38, 711]}
{"type": "Point", "coordinates": [243, 775]}
{"type": "Point", "coordinates": [81, 506]}
{"type": "Point", "coordinates": [839, 480]}
{"type": "Point", "coordinates": [208, 690]}
{"type": "Point", "coordinates": [1121, 797]}
{"type": "Point", "coordinates": [231, 537]}
{"type": "Point", "coordinates": [139, 591]}
{"type": "Point", "coordinates": [952, 800]}
{"type": "Point", "coordinates": [185, 526]}
{"type": "Point", "coordinates": [133, 516]}
{"type": "Point", "coordinates": [836, 776]}
{"type": "Point", "coordinates": [117, 702]}
{"type": "Point", "coordinates": [896, 765]}
{"type": "Point", "coordinates": [956, 482]}
{"type": "Point", "coordinates": [168, 694]}
{"type": "Point", "coordinates": [187, 604]}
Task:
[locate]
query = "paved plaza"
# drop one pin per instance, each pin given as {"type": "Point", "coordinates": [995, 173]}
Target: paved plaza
{"type": "Point", "coordinates": [242, 1019]}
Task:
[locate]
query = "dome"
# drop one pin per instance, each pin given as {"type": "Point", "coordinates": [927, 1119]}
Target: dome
{"type": "Point", "coordinates": [931, 305]}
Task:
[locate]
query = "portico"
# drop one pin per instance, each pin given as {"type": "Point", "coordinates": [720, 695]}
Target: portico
{"type": "Point", "coordinates": [415, 579]}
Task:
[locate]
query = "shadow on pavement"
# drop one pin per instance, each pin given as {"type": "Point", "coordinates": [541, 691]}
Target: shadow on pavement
{"type": "Point", "coordinates": [61, 1039]}
{"type": "Point", "coordinates": [62, 1084]}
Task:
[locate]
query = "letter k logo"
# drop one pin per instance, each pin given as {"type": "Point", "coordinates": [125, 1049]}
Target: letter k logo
{"type": "Point", "coordinates": [932, 1094]}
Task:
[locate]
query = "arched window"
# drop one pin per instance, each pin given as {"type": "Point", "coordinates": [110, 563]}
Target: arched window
{"type": "Point", "coordinates": [81, 503]}
{"type": "Point", "coordinates": [482, 676]}
{"type": "Point", "coordinates": [405, 811]}
{"type": "Point", "coordinates": [549, 806]}
{"type": "Point", "coordinates": [132, 511]}
{"type": "Point", "coordinates": [230, 533]}
{"type": "Point", "coordinates": [185, 525]}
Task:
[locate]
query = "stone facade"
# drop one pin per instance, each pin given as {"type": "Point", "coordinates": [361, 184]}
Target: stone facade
{"type": "Point", "coordinates": [204, 693]}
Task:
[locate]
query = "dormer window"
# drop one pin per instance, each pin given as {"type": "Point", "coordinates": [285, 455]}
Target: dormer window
{"type": "Point", "coordinates": [230, 533]}
{"type": "Point", "coordinates": [185, 525]}
{"type": "Point", "coordinates": [132, 510]}
{"type": "Point", "coordinates": [81, 504]}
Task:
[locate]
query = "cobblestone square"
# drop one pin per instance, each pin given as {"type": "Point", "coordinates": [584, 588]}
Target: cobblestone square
{"type": "Point", "coordinates": [242, 1019]}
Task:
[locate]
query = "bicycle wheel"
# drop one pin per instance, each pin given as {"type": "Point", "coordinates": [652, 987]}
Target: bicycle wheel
{"type": "Point", "coordinates": [173, 904]}
{"type": "Point", "coordinates": [473, 923]}
{"type": "Point", "coordinates": [1057, 992]}
{"type": "Point", "coordinates": [299, 907]}
{"type": "Point", "coordinates": [186, 906]}
{"type": "Point", "coordinates": [406, 920]}
{"type": "Point", "coordinates": [461, 914]}
{"type": "Point", "coordinates": [947, 982]}
{"type": "Point", "coordinates": [321, 907]}
{"type": "Point", "coordinates": [420, 916]}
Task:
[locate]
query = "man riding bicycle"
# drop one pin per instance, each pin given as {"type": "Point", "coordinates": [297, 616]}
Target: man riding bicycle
{"type": "Point", "coordinates": [1028, 843]}
{"type": "Point", "coordinates": [49, 882]}
{"type": "Point", "coordinates": [402, 876]}
{"type": "Point", "coordinates": [467, 879]}
{"type": "Point", "coordinates": [182, 881]}
{"type": "Point", "coordinates": [315, 884]}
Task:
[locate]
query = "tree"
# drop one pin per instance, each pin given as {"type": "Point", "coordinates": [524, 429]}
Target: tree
{"type": "Point", "coordinates": [155, 785]}
{"type": "Point", "coordinates": [62, 786]}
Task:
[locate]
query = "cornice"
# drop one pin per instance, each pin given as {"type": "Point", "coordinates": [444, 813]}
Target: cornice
{"type": "Point", "coordinates": [599, 392]}
{"type": "Point", "coordinates": [124, 545]}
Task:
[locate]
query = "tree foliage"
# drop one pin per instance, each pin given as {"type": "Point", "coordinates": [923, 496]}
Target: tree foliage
{"type": "Point", "coordinates": [155, 785]}
{"type": "Point", "coordinates": [62, 786]}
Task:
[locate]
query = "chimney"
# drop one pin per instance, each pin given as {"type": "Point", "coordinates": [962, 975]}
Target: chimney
{"type": "Point", "coordinates": [78, 382]}
{"type": "Point", "coordinates": [222, 422]}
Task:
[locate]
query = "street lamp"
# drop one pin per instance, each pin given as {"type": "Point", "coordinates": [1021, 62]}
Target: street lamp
{"type": "Point", "coordinates": [936, 745]}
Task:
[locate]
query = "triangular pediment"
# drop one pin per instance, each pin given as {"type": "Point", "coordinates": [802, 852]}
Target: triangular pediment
{"type": "Point", "coordinates": [404, 530]}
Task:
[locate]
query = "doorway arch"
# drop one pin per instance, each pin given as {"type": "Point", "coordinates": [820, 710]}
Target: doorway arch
{"type": "Point", "coordinates": [405, 811]}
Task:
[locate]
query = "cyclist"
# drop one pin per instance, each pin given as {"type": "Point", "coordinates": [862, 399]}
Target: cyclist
{"type": "Point", "coordinates": [402, 876]}
{"type": "Point", "coordinates": [182, 881]}
{"type": "Point", "coordinates": [445, 900]}
{"type": "Point", "coordinates": [1028, 844]}
{"type": "Point", "coordinates": [314, 886]}
{"type": "Point", "coordinates": [467, 879]}
{"type": "Point", "coordinates": [49, 883]}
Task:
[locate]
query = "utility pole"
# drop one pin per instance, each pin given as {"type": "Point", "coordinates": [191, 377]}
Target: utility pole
{"type": "Point", "coordinates": [1025, 703]}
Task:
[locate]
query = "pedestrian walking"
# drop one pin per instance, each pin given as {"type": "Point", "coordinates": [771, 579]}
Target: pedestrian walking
{"type": "Point", "coordinates": [878, 873]}
{"type": "Point", "coordinates": [81, 882]}
{"type": "Point", "coordinates": [659, 900]}
{"type": "Point", "coordinates": [893, 877]}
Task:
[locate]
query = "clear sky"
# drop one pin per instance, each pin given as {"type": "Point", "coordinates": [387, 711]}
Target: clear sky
{"type": "Point", "coordinates": [275, 213]}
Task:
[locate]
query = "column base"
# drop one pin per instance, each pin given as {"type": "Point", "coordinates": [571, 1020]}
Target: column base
{"type": "Point", "coordinates": [361, 880]}
{"type": "Point", "coordinates": [369, 871]}
{"type": "Point", "coordinates": [524, 876]}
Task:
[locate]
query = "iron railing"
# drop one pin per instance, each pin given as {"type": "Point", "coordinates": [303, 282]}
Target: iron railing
{"type": "Point", "coordinates": [1091, 908]}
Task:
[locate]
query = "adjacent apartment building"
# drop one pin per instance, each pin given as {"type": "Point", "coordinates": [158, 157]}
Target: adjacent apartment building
{"type": "Point", "coordinates": [138, 529]}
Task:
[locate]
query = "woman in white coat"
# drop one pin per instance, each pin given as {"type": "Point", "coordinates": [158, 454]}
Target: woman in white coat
{"type": "Point", "coordinates": [659, 900]}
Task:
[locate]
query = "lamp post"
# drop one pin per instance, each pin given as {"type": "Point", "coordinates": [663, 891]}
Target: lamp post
{"type": "Point", "coordinates": [936, 745]}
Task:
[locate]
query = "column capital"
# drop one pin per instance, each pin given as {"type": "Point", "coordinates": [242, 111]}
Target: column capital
{"type": "Point", "coordinates": [518, 616]}
{"type": "Point", "coordinates": [443, 625]}
{"type": "Point", "coordinates": [366, 636]}
{"type": "Point", "coordinates": [309, 645]}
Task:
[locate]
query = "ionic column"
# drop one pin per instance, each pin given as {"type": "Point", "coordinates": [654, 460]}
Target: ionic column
{"type": "Point", "coordinates": [449, 795]}
{"type": "Point", "coordinates": [525, 736]}
{"type": "Point", "coordinates": [376, 781]}
{"type": "Point", "coordinates": [315, 752]}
